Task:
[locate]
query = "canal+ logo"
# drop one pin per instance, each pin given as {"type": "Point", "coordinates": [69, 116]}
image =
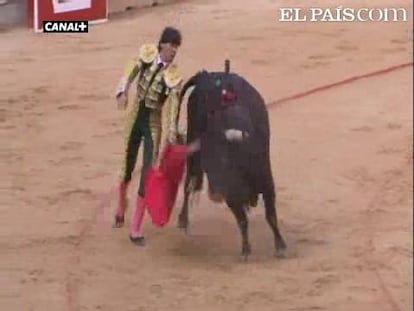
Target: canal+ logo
{"type": "Point", "coordinates": [65, 26]}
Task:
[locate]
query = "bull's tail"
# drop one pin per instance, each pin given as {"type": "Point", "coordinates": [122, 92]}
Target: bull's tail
{"type": "Point", "coordinates": [191, 82]}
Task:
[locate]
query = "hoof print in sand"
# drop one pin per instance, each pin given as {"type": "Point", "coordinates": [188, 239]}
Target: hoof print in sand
{"type": "Point", "coordinates": [389, 150]}
{"type": "Point", "coordinates": [70, 107]}
{"type": "Point", "coordinates": [315, 64]}
{"type": "Point", "coordinates": [92, 97]}
{"type": "Point", "coordinates": [260, 62]}
{"type": "Point", "coordinates": [364, 128]}
{"type": "Point", "coordinates": [345, 46]}
{"type": "Point", "coordinates": [248, 38]}
{"type": "Point", "coordinates": [394, 126]}
{"type": "Point", "coordinates": [40, 90]}
{"type": "Point", "coordinates": [71, 145]}
{"type": "Point", "coordinates": [321, 56]}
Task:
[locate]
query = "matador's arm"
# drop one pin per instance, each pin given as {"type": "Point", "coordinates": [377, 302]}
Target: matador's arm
{"type": "Point", "coordinates": [147, 54]}
{"type": "Point", "coordinates": [130, 72]}
{"type": "Point", "coordinates": [173, 81]}
{"type": "Point", "coordinates": [173, 103]}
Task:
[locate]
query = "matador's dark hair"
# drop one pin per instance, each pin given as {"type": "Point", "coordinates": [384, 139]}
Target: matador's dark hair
{"type": "Point", "coordinates": [170, 35]}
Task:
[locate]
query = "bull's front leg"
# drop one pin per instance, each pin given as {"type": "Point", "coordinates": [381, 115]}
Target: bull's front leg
{"type": "Point", "coordinates": [240, 213]}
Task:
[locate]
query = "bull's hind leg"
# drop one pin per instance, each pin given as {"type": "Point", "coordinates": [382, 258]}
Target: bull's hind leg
{"type": "Point", "coordinates": [271, 217]}
{"type": "Point", "coordinates": [183, 216]}
{"type": "Point", "coordinates": [193, 183]}
{"type": "Point", "coordinates": [243, 223]}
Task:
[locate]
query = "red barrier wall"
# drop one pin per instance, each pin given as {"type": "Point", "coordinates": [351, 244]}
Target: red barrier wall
{"type": "Point", "coordinates": [98, 11]}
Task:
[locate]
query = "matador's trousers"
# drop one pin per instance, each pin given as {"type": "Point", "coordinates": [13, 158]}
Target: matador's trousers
{"type": "Point", "coordinates": [143, 125]}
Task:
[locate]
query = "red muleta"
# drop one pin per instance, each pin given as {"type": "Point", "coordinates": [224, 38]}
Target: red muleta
{"type": "Point", "coordinates": [162, 183]}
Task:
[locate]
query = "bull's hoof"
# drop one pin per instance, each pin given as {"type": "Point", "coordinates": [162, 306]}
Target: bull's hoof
{"type": "Point", "coordinates": [246, 251]}
{"type": "Point", "coordinates": [245, 258]}
{"type": "Point", "coordinates": [183, 224]}
{"type": "Point", "coordinates": [280, 253]}
{"type": "Point", "coordinates": [281, 250]}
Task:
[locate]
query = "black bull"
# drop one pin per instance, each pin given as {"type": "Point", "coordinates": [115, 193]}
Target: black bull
{"type": "Point", "coordinates": [229, 117]}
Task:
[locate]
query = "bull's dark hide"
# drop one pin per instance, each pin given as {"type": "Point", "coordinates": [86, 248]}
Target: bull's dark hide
{"type": "Point", "coordinates": [234, 169]}
{"type": "Point", "coordinates": [237, 167]}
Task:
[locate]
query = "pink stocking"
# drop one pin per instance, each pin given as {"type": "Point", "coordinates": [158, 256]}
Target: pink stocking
{"type": "Point", "coordinates": [137, 218]}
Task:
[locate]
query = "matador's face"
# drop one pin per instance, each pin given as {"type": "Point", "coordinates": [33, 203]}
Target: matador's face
{"type": "Point", "coordinates": [168, 52]}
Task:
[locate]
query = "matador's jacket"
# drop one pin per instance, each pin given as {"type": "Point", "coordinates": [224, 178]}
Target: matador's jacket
{"type": "Point", "coordinates": [158, 85]}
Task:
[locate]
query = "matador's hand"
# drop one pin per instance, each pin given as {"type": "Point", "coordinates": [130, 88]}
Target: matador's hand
{"type": "Point", "coordinates": [122, 101]}
{"type": "Point", "coordinates": [171, 138]}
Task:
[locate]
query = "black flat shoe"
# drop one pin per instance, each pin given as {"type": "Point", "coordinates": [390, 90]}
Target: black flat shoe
{"type": "Point", "coordinates": [119, 221]}
{"type": "Point", "coordinates": [139, 241]}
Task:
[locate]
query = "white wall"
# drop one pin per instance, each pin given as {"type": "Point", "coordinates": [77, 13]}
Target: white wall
{"type": "Point", "coordinates": [12, 12]}
{"type": "Point", "coordinates": [121, 5]}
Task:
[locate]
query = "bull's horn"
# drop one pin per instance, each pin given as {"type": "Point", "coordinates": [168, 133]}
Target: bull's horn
{"type": "Point", "coordinates": [233, 135]}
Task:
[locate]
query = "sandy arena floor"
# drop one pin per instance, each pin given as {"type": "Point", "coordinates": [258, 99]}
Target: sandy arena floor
{"type": "Point", "coordinates": [342, 161]}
